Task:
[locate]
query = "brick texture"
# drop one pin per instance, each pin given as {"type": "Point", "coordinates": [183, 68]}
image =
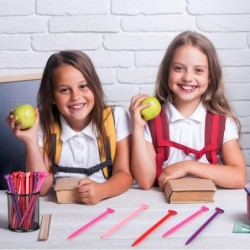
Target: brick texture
{"type": "Point", "coordinates": [126, 40]}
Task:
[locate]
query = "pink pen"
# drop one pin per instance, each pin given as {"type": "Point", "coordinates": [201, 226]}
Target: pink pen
{"type": "Point", "coordinates": [84, 227]}
{"type": "Point", "coordinates": [27, 180]}
{"type": "Point", "coordinates": [124, 221]}
{"type": "Point", "coordinates": [173, 229]}
{"type": "Point", "coordinates": [40, 177]}
{"type": "Point", "coordinates": [195, 234]}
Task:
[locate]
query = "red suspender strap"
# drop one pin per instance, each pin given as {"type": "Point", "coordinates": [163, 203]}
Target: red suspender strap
{"type": "Point", "coordinates": [159, 132]}
{"type": "Point", "coordinates": [214, 133]}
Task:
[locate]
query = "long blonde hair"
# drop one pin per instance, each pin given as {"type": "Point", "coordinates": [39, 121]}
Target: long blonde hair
{"type": "Point", "coordinates": [214, 98]}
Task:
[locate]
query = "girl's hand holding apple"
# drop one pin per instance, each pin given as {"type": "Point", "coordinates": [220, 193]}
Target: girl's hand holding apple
{"type": "Point", "coordinates": [24, 122]}
{"type": "Point", "coordinates": [142, 109]}
{"type": "Point", "coordinates": [135, 111]}
{"type": "Point", "coordinates": [25, 115]}
{"type": "Point", "coordinates": [152, 110]}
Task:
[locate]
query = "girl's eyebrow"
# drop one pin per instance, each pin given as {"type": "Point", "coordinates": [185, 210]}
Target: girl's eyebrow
{"type": "Point", "coordinates": [201, 66]}
{"type": "Point", "coordinates": [177, 63]}
{"type": "Point", "coordinates": [83, 81]}
{"type": "Point", "coordinates": [67, 85]}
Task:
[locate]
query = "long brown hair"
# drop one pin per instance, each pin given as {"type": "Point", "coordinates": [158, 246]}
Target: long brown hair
{"type": "Point", "coordinates": [49, 114]}
{"type": "Point", "coordinates": [214, 98]}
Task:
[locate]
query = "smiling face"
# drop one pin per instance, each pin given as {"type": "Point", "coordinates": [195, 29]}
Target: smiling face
{"type": "Point", "coordinates": [188, 76]}
{"type": "Point", "coordinates": [72, 96]}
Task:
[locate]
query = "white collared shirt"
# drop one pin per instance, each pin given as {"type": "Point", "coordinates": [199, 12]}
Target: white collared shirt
{"type": "Point", "coordinates": [190, 132]}
{"type": "Point", "coordinates": [80, 149]}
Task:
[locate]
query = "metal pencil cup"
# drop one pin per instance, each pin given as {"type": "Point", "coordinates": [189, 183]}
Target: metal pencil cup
{"type": "Point", "coordinates": [23, 212]}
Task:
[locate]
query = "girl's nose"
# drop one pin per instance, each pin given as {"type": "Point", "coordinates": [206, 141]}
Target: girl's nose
{"type": "Point", "coordinates": [187, 76]}
{"type": "Point", "coordinates": [75, 95]}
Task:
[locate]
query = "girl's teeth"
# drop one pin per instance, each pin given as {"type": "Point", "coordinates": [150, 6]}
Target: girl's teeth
{"type": "Point", "coordinates": [76, 106]}
{"type": "Point", "coordinates": [188, 87]}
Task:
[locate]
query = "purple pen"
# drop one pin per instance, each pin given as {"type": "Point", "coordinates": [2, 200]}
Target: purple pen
{"type": "Point", "coordinates": [8, 178]}
{"type": "Point", "coordinates": [247, 189]}
{"type": "Point", "coordinates": [217, 211]}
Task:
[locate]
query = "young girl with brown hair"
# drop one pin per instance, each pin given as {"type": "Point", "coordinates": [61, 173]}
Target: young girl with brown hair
{"type": "Point", "coordinates": [79, 135]}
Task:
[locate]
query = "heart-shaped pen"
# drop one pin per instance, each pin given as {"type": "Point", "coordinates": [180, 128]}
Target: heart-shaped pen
{"type": "Point", "coordinates": [171, 230]}
{"type": "Point", "coordinates": [124, 221]}
{"type": "Point", "coordinates": [151, 229]}
{"type": "Point", "coordinates": [217, 211]}
{"type": "Point", "coordinates": [84, 227]}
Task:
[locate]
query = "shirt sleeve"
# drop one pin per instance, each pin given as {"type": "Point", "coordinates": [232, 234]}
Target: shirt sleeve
{"type": "Point", "coordinates": [147, 134]}
{"type": "Point", "coordinates": [231, 131]}
{"type": "Point", "coordinates": [122, 123]}
{"type": "Point", "coordinates": [40, 137]}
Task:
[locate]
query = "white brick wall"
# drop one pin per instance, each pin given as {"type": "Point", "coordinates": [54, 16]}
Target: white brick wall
{"type": "Point", "coordinates": [126, 40]}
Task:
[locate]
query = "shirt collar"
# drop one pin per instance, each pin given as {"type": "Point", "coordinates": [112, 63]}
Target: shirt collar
{"type": "Point", "coordinates": [68, 132]}
{"type": "Point", "coordinates": [174, 115]}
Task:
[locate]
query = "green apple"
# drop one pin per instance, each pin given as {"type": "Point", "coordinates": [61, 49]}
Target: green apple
{"type": "Point", "coordinates": [153, 110]}
{"type": "Point", "coordinates": [25, 115]}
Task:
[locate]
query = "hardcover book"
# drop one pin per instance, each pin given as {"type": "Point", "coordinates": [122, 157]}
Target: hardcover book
{"type": "Point", "coordinates": [190, 190]}
{"type": "Point", "coordinates": [66, 191]}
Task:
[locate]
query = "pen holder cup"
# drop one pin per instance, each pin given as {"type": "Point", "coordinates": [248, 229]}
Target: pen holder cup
{"type": "Point", "coordinates": [248, 206]}
{"type": "Point", "coordinates": [23, 212]}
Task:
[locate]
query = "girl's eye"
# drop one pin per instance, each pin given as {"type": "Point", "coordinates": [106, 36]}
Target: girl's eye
{"type": "Point", "coordinates": [199, 70]}
{"type": "Point", "coordinates": [83, 86]}
{"type": "Point", "coordinates": [64, 90]}
{"type": "Point", "coordinates": [178, 68]}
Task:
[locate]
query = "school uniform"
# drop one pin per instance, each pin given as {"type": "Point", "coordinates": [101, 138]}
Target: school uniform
{"type": "Point", "coordinates": [190, 132]}
{"type": "Point", "coordinates": [80, 149]}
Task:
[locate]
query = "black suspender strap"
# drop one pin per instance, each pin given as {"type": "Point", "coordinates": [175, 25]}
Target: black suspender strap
{"type": "Point", "coordinates": [86, 171]}
{"type": "Point", "coordinates": [91, 170]}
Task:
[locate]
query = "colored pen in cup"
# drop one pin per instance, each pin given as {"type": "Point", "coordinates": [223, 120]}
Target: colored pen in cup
{"type": "Point", "coordinates": [39, 178]}
{"type": "Point", "coordinates": [84, 227]}
{"type": "Point", "coordinates": [247, 189]}
{"type": "Point", "coordinates": [182, 223]}
{"type": "Point", "coordinates": [195, 234]}
{"type": "Point", "coordinates": [16, 206]}
{"type": "Point", "coordinates": [124, 221]}
{"type": "Point", "coordinates": [151, 229]}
